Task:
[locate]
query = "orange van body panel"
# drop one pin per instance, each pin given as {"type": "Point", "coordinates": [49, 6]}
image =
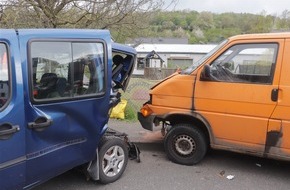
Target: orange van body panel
{"type": "Point", "coordinates": [282, 111]}
{"type": "Point", "coordinates": [285, 143]}
{"type": "Point", "coordinates": [163, 111]}
{"type": "Point", "coordinates": [175, 93]}
{"type": "Point", "coordinates": [229, 132]}
{"type": "Point", "coordinates": [241, 117]}
{"type": "Point", "coordinates": [238, 112]}
{"type": "Point", "coordinates": [226, 102]}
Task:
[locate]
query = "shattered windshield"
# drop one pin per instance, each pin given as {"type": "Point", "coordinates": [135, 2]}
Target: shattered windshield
{"type": "Point", "coordinates": [203, 59]}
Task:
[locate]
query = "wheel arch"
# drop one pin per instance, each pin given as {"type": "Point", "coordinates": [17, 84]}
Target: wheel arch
{"type": "Point", "coordinates": [192, 118]}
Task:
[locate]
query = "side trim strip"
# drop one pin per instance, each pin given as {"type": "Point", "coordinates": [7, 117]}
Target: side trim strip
{"type": "Point", "coordinates": [54, 148]}
{"type": "Point", "coordinates": [40, 153]}
{"type": "Point", "coordinates": [13, 162]}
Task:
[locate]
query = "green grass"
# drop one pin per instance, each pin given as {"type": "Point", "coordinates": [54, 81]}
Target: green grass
{"type": "Point", "coordinates": [130, 113]}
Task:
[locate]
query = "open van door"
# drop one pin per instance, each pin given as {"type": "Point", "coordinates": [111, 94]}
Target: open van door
{"type": "Point", "coordinates": [124, 58]}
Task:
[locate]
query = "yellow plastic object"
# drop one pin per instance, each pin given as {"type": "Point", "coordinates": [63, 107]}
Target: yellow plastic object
{"type": "Point", "coordinates": [118, 111]}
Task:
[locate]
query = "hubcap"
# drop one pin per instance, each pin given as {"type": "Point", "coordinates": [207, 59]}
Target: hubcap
{"type": "Point", "coordinates": [184, 145]}
{"type": "Point", "coordinates": [113, 161]}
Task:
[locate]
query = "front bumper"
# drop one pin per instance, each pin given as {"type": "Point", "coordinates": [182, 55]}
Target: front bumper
{"type": "Point", "coordinates": [146, 122]}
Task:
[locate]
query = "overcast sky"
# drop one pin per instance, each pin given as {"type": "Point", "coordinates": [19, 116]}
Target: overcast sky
{"type": "Point", "coordinates": [238, 6]}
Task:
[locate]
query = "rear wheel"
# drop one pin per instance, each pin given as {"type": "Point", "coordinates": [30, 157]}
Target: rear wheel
{"type": "Point", "coordinates": [185, 144]}
{"type": "Point", "coordinates": [113, 159]}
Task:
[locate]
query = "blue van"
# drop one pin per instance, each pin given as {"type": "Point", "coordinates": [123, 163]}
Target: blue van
{"type": "Point", "coordinates": [56, 93]}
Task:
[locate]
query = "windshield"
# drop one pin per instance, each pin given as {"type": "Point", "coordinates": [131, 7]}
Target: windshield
{"type": "Point", "coordinates": [204, 58]}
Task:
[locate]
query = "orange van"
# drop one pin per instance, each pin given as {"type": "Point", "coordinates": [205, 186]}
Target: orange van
{"type": "Point", "coordinates": [235, 98]}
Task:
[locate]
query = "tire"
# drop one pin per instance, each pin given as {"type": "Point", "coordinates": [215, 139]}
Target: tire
{"type": "Point", "coordinates": [185, 144]}
{"type": "Point", "coordinates": [113, 159]}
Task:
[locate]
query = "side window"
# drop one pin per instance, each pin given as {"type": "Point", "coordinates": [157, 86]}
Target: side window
{"type": "Point", "coordinates": [121, 65]}
{"type": "Point", "coordinates": [87, 68]}
{"type": "Point", "coordinates": [246, 63]}
{"type": "Point", "coordinates": [63, 70]}
{"type": "Point", "coordinates": [4, 76]}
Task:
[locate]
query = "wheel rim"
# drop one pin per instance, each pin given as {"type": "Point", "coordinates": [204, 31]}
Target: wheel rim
{"type": "Point", "coordinates": [113, 161]}
{"type": "Point", "coordinates": [184, 145]}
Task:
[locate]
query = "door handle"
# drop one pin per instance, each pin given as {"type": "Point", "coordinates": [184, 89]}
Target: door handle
{"type": "Point", "coordinates": [7, 130]}
{"type": "Point", "coordinates": [40, 123]}
{"type": "Point", "coordinates": [274, 94]}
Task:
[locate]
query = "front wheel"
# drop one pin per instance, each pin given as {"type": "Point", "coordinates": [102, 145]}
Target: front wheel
{"type": "Point", "coordinates": [113, 159]}
{"type": "Point", "coordinates": [185, 144]}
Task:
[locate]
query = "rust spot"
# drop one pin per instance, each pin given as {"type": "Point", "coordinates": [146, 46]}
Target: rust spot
{"type": "Point", "coordinates": [271, 140]}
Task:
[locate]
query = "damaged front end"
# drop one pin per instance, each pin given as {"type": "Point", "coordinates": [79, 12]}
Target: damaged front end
{"type": "Point", "coordinates": [115, 148]}
{"type": "Point", "coordinates": [112, 157]}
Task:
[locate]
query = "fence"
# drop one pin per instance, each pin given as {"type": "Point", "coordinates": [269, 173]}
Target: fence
{"type": "Point", "coordinates": [137, 93]}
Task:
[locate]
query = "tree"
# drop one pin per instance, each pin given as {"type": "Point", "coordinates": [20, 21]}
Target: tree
{"type": "Point", "coordinates": [128, 16]}
{"type": "Point", "coordinates": [283, 22]}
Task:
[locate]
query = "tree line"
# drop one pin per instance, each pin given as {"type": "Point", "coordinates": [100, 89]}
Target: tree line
{"type": "Point", "coordinates": [128, 19]}
{"type": "Point", "coordinates": [207, 27]}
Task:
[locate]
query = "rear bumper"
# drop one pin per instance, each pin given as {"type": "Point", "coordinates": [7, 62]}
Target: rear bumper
{"type": "Point", "coordinates": [146, 122]}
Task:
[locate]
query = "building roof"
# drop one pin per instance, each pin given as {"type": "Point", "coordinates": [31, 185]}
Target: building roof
{"type": "Point", "coordinates": [175, 48]}
{"type": "Point", "coordinates": [159, 41]}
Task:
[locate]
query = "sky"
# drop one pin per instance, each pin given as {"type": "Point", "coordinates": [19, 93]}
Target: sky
{"type": "Point", "coordinates": [272, 7]}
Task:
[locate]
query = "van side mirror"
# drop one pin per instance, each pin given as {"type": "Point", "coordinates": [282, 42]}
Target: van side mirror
{"type": "Point", "coordinates": [205, 73]}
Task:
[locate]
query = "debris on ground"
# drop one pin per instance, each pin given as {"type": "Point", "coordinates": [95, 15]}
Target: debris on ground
{"type": "Point", "coordinates": [230, 177]}
{"type": "Point", "coordinates": [222, 173]}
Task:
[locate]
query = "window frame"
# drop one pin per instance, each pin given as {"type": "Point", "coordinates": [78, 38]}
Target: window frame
{"type": "Point", "coordinates": [9, 67]}
{"type": "Point", "coordinates": [70, 98]}
{"type": "Point", "coordinates": [258, 45]}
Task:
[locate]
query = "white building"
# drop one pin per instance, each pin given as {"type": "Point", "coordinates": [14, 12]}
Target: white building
{"type": "Point", "coordinates": [169, 55]}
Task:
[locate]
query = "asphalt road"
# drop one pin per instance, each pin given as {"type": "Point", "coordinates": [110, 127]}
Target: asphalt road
{"type": "Point", "coordinates": [156, 172]}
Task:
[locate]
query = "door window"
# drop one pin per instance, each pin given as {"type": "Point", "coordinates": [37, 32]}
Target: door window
{"type": "Point", "coordinates": [4, 76]}
{"type": "Point", "coordinates": [64, 70]}
{"type": "Point", "coordinates": [246, 63]}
